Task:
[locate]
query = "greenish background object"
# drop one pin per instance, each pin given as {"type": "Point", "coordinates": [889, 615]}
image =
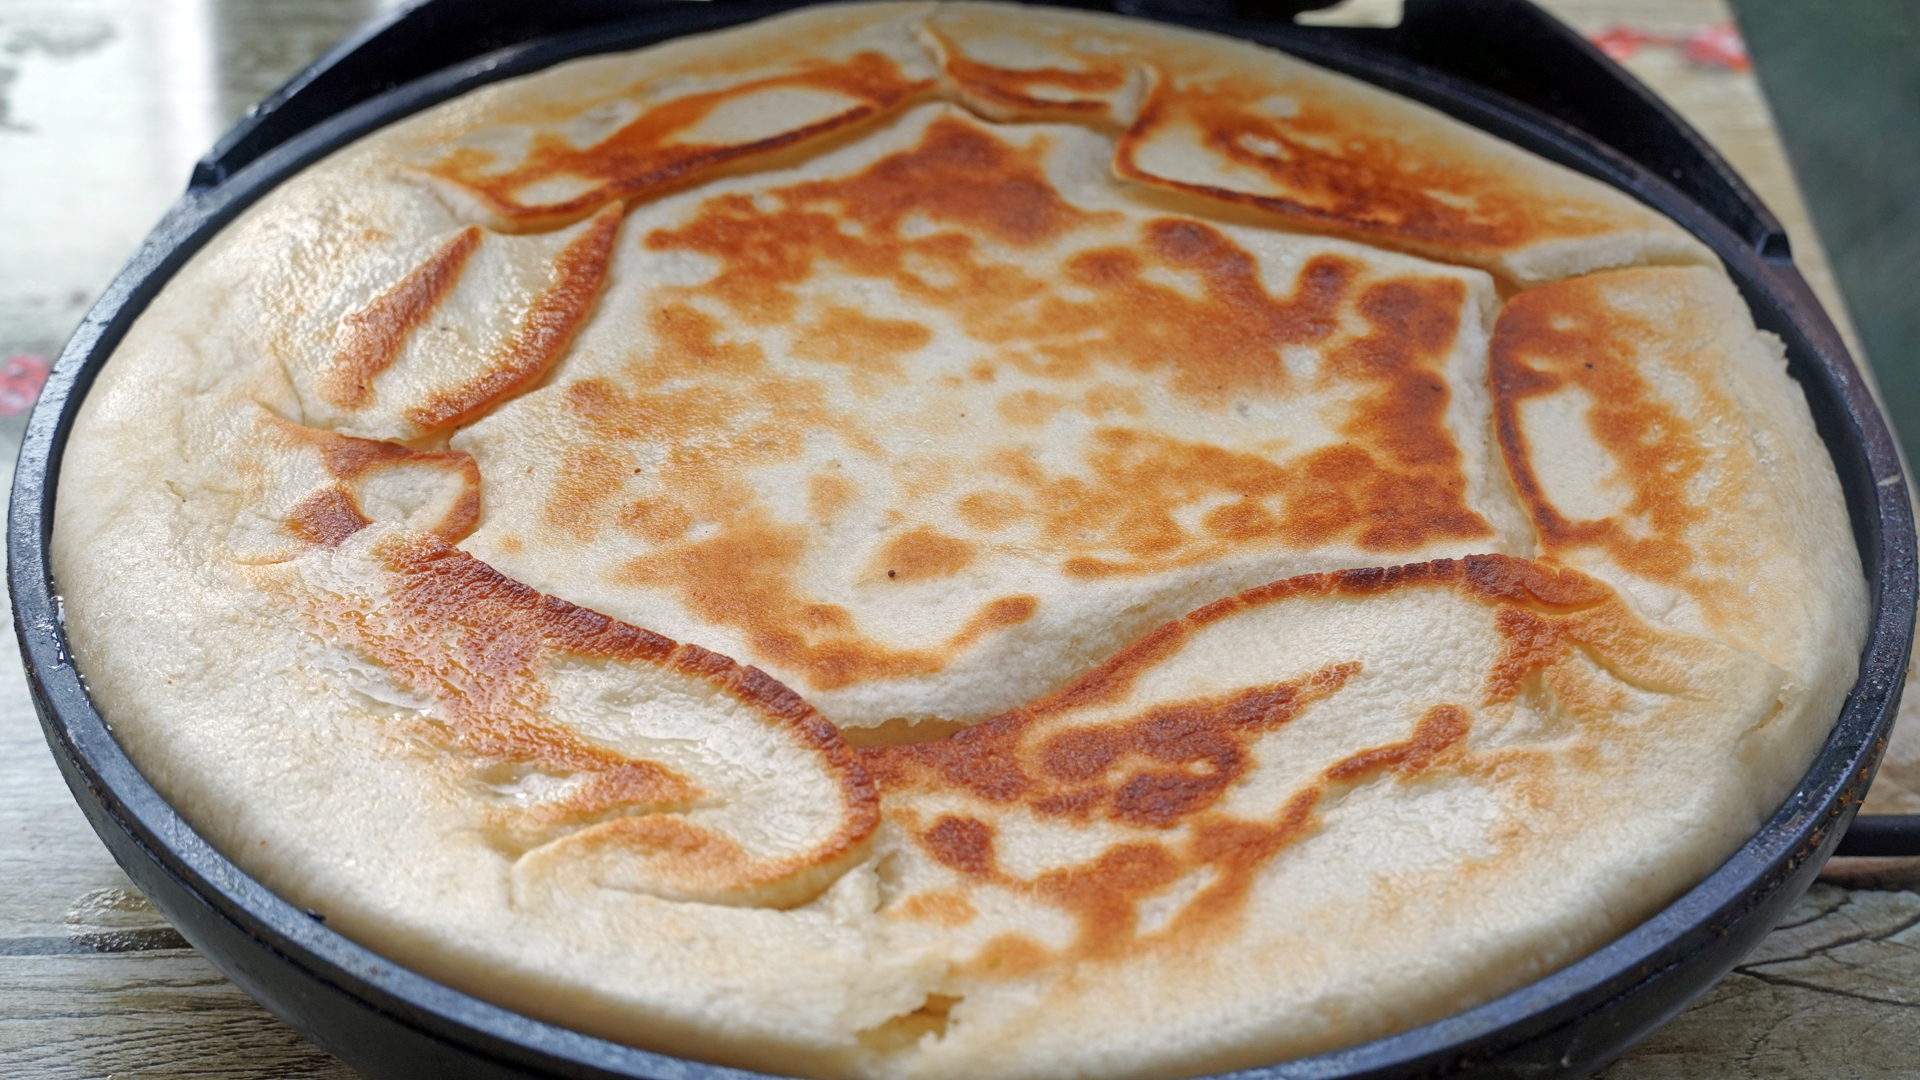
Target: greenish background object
{"type": "Point", "coordinates": [1843, 79]}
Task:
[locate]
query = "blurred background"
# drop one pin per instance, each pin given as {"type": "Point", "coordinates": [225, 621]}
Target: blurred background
{"type": "Point", "coordinates": [1843, 80]}
{"type": "Point", "coordinates": [106, 104]}
{"type": "Point", "coordinates": [104, 107]}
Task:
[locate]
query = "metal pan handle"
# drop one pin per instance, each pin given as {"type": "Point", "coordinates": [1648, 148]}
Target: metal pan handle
{"type": "Point", "coordinates": [1882, 836]}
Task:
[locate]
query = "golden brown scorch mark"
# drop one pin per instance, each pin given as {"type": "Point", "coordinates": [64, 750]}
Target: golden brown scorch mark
{"type": "Point", "coordinates": [646, 158]}
{"type": "Point", "coordinates": [742, 574]}
{"type": "Point", "coordinates": [544, 332]}
{"type": "Point", "coordinates": [1438, 730]}
{"type": "Point", "coordinates": [1216, 345]}
{"type": "Point", "coordinates": [371, 338]}
{"type": "Point", "coordinates": [1330, 165]}
{"type": "Point", "coordinates": [744, 577]}
{"type": "Point", "coordinates": [961, 178]}
{"type": "Point", "coordinates": [1535, 644]}
{"type": "Point", "coordinates": [716, 410]}
{"type": "Point", "coordinates": [1175, 762]}
{"type": "Point", "coordinates": [1083, 94]}
{"type": "Point", "coordinates": [1188, 754]}
{"type": "Point", "coordinates": [1567, 334]}
{"type": "Point", "coordinates": [476, 644]}
{"type": "Point", "coordinates": [332, 513]}
{"type": "Point", "coordinates": [1163, 769]}
{"type": "Point", "coordinates": [921, 554]}
{"type": "Point", "coordinates": [870, 346]}
{"type": "Point", "coordinates": [472, 641]}
{"type": "Point", "coordinates": [1394, 484]}
{"type": "Point", "coordinates": [1339, 172]}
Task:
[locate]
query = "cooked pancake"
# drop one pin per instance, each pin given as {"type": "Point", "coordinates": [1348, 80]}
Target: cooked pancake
{"type": "Point", "coordinates": [959, 540]}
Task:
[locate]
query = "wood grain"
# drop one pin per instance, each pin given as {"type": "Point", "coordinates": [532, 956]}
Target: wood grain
{"type": "Point", "coordinates": [1834, 992]}
{"type": "Point", "coordinates": [156, 1013]}
{"type": "Point", "coordinates": [93, 982]}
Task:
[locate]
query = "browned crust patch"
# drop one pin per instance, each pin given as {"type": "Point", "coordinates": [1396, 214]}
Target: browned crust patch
{"type": "Point", "coordinates": [744, 577]}
{"type": "Point", "coordinates": [1013, 90]}
{"type": "Point", "coordinates": [326, 517]}
{"type": "Point", "coordinates": [1495, 577]}
{"type": "Point", "coordinates": [1394, 484]}
{"type": "Point", "coordinates": [475, 642]}
{"type": "Point", "coordinates": [1569, 335]}
{"type": "Point", "coordinates": [580, 272]}
{"type": "Point", "coordinates": [959, 177]}
{"type": "Point", "coordinates": [1162, 771]}
{"type": "Point", "coordinates": [330, 514]}
{"type": "Point", "coordinates": [1439, 730]}
{"type": "Point", "coordinates": [371, 338]}
{"type": "Point", "coordinates": [1341, 174]}
{"type": "Point", "coordinates": [644, 159]}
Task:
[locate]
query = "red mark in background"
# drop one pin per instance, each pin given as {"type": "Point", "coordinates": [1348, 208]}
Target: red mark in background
{"type": "Point", "coordinates": [1621, 42]}
{"type": "Point", "coordinates": [20, 383]}
{"type": "Point", "coordinates": [1716, 46]}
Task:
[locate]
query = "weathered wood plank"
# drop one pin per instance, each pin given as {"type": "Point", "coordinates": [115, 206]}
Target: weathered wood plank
{"type": "Point", "coordinates": [1834, 992]}
{"type": "Point", "coordinates": [49, 856]}
{"type": "Point", "coordinates": [159, 1014]}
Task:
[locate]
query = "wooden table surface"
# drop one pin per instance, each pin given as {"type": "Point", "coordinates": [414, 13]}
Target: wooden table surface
{"type": "Point", "coordinates": [94, 984]}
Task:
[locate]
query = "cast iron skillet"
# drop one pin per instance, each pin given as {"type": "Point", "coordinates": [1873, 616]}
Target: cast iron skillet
{"type": "Point", "coordinates": [389, 1022]}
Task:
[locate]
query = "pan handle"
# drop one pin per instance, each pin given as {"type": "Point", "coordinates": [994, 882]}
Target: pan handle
{"type": "Point", "coordinates": [1881, 836]}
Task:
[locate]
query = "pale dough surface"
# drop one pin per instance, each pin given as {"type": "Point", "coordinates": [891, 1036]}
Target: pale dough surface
{"type": "Point", "coordinates": [850, 546]}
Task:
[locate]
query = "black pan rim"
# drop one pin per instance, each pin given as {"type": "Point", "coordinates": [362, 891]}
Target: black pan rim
{"type": "Point", "coordinates": [1795, 838]}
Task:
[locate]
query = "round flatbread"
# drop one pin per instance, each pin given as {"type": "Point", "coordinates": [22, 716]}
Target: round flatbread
{"type": "Point", "coordinates": [911, 540]}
